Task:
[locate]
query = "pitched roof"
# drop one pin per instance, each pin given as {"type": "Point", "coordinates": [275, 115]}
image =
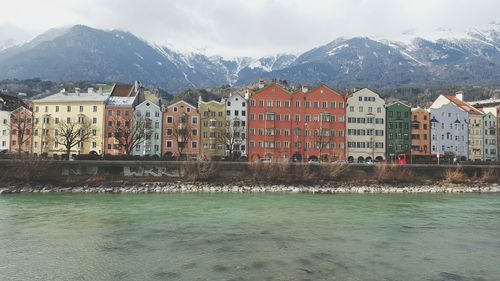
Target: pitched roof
{"type": "Point", "coordinates": [464, 106]}
{"type": "Point", "coordinates": [123, 90]}
{"type": "Point", "coordinates": [10, 103]}
{"type": "Point", "coordinates": [75, 97]}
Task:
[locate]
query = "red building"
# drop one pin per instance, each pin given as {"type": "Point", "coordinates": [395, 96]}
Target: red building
{"type": "Point", "coordinates": [296, 126]}
{"type": "Point", "coordinates": [120, 112]}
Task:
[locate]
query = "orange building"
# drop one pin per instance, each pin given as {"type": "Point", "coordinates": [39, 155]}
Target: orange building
{"type": "Point", "coordinates": [119, 110]}
{"type": "Point", "coordinates": [286, 126]}
{"type": "Point", "coordinates": [181, 131]}
{"type": "Point", "coordinates": [21, 130]}
{"type": "Point", "coordinates": [420, 132]}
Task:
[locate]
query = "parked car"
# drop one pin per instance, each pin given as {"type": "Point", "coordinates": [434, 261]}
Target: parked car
{"type": "Point", "coordinates": [313, 160]}
{"type": "Point", "coordinates": [266, 160]}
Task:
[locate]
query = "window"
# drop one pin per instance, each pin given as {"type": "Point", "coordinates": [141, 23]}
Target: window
{"type": "Point", "coordinates": [170, 119]}
{"type": "Point", "coordinates": [95, 108]}
{"type": "Point", "coordinates": [94, 120]}
{"type": "Point", "coordinates": [68, 108]}
{"type": "Point", "coordinates": [297, 103]}
{"type": "Point", "coordinates": [81, 108]}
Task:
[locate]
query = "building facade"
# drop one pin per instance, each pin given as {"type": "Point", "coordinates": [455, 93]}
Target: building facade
{"type": "Point", "coordinates": [119, 112]}
{"type": "Point", "coordinates": [271, 125]}
{"type": "Point", "coordinates": [213, 129]}
{"type": "Point", "coordinates": [181, 131]}
{"type": "Point", "coordinates": [236, 127]}
{"type": "Point", "coordinates": [21, 128]}
{"type": "Point", "coordinates": [398, 130]}
{"type": "Point", "coordinates": [286, 126]}
{"type": "Point", "coordinates": [449, 131]}
{"type": "Point", "coordinates": [57, 112]}
{"type": "Point", "coordinates": [325, 124]}
{"type": "Point", "coordinates": [4, 130]}
{"type": "Point", "coordinates": [149, 113]}
{"type": "Point", "coordinates": [476, 136]}
{"type": "Point", "coordinates": [365, 126]}
{"type": "Point", "coordinates": [420, 132]}
{"type": "Point", "coordinates": [490, 152]}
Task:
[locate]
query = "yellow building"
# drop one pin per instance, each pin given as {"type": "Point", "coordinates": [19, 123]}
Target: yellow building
{"type": "Point", "coordinates": [56, 112]}
{"type": "Point", "coordinates": [213, 129]}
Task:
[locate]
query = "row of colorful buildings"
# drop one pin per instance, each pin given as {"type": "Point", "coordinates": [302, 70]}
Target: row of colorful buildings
{"type": "Point", "coordinates": [270, 123]}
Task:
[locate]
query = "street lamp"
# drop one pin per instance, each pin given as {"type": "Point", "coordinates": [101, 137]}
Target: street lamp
{"type": "Point", "coordinates": [434, 121]}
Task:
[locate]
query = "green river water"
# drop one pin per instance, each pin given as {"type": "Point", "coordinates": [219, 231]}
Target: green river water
{"type": "Point", "coordinates": [250, 237]}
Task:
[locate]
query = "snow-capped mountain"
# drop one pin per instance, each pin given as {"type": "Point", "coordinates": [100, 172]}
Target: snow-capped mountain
{"type": "Point", "coordinates": [83, 53]}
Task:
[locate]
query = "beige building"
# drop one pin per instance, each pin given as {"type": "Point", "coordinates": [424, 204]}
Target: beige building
{"type": "Point", "coordinates": [476, 132]}
{"type": "Point", "coordinates": [365, 126]}
{"type": "Point", "coordinates": [78, 108]}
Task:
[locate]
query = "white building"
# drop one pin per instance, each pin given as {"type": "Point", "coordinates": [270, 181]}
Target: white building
{"type": "Point", "coordinates": [4, 130]}
{"type": "Point", "coordinates": [151, 112]}
{"type": "Point", "coordinates": [449, 128]}
{"type": "Point", "coordinates": [237, 120]}
{"type": "Point", "coordinates": [365, 126]}
{"type": "Point", "coordinates": [490, 137]}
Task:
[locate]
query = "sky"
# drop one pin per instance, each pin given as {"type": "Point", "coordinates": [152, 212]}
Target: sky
{"type": "Point", "coordinates": [252, 27]}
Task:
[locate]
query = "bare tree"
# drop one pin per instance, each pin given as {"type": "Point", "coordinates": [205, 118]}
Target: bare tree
{"type": "Point", "coordinates": [232, 134]}
{"type": "Point", "coordinates": [131, 131]}
{"type": "Point", "coordinates": [182, 132]}
{"type": "Point", "coordinates": [71, 134]}
{"type": "Point", "coordinates": [323, 137]}
{"type": "Point", "coordinates": [22, 128]}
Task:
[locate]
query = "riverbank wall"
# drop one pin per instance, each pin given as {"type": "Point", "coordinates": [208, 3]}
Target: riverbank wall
{"type": "Point", "coordinates": [76, 173]}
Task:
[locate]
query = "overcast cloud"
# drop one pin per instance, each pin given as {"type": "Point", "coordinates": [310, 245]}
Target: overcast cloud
{"type": "Point", "coordinates": [253, 27]}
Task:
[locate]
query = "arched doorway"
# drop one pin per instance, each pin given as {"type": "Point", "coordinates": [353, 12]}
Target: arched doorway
{"type": "Point", "coordinates": [361, 159]}
{"type": "Point", "coordinates": [379, 158]}
{"type": "Point", "coordinates": [350, 159]}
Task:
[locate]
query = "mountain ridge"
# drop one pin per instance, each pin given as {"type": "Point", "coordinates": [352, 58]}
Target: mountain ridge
{"type": "Point", "coordinates": [84, 53]}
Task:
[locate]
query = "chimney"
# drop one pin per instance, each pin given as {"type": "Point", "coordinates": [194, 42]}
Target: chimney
{"type": "Point", "coordinates": [305, 88]}
{"type": "Point", "coordinates": [63, 91]}
{"type": "Point", "coordinates": [77, 91]}
{"type": "Point", "coordinates": [460, 95]}
{"type": "Point", "coordinates": [90, 91]}
{"type": "Point", "coordinates": [137, 84]}
{"type": "Point", "coordinates": [262, 83]}
{"type": "Point", "coordinates": [199, 101]}
{"type": "Point", "coordinates": [100, 91]}
{"type": "Point", "coordinates": [247, 94]}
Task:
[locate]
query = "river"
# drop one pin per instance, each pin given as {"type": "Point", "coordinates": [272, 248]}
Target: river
{"type": "Point", "coordinates": [250, 237]}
